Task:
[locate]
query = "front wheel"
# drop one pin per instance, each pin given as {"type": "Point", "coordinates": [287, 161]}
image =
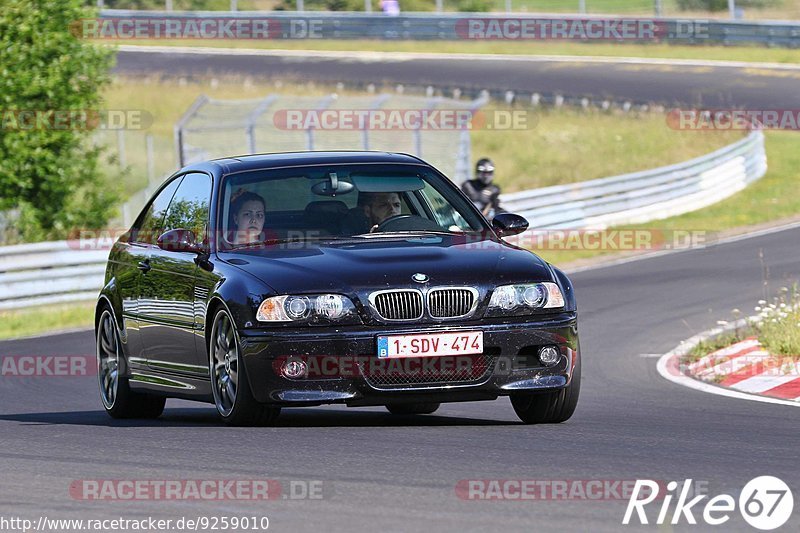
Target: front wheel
{"type": "Point", "coordinates": [232, 395]}
{"type": "Point", "coordinates": [118, 399]}
{"type": "Point", "coordinates": [549, 407]}
{"type": "Point", "coordinates": [419, 408]}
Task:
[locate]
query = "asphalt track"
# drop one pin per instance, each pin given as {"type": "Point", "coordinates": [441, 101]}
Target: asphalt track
{"type": "Point", "coordinates": [385, 473]}
{"type": "Point", "coordinates": [666, 83]}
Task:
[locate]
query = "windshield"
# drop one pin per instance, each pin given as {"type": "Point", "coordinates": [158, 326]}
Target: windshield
{"type": "Point", "coordinates": [340, 202]}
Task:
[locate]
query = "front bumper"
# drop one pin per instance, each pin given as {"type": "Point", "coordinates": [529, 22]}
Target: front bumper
{"type": "Point", "coordinates": [344, 367]}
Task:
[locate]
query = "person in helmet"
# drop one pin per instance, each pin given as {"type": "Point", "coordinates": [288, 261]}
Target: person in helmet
{"type": "Point", "coordinates": [483, 193]}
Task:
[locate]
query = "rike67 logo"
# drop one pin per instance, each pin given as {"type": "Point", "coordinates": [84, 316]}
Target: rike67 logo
{"type": "Point", "coordinates": [766, 503]}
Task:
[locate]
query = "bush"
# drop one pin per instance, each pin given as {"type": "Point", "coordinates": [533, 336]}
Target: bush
{"type": "Point", "coordinates": [49, 174]}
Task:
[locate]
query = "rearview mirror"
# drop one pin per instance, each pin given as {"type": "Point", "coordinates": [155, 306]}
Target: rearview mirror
{"type": "Point", "coordinates": [507, 224]}
{"type": "Point", "coordinates": [179, 240]}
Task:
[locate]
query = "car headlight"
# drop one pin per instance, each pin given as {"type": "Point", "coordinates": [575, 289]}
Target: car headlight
{"type": "Point", "coordinates": [513, 300]}
{"type": "Point", "coordinates": [314, 308]}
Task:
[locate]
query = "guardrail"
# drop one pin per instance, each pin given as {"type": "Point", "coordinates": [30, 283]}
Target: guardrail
{"type": "Point", "coordinates": [285, 25]}
{"type": "Point", "coordinates": [49, 272]}
{"type": "Point", "coordinates": [644, 196]}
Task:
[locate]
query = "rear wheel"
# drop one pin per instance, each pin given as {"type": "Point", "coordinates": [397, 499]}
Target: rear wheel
{"type": "Point", "coordinates": [118, 399]}
{"type": "Point", "coordinates": [549, 407]}
{"type": "Point", "coordinates": [232, 395]}
{"type": "Point", "coordinates": [419, 408]}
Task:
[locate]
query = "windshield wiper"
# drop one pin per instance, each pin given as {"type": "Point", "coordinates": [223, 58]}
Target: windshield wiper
{"type": "Point", "coordinates": [258, 244]}
{"type": "Point", "coordinates": [270, 242]}
{"type": "Point", "coordinates": [378, 234]}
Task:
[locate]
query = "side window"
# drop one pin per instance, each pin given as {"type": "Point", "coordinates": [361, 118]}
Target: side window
{"type": "Point", "coordinates": [444, 213]}
{"type": "Point", "coordinates": [150, 223]}
{"type": "Point", "coordinates": [189, 206]}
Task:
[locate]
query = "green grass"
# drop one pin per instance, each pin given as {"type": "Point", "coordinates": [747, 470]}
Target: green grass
{"type": "Point", "coordinates": [557, 146]}
{"type": "Point", "coordinates": [713, 344]}
{"type": "Point", "coordinates": [41, 319]}
{"type": "Point", "coordinates": [774, 197]}
{"type": "Point", "coordinates": [534, 48]}
{"type": "Point", "coordinates": [569, 145]}
{"type": "Point", "coordinates": [779, 330]}
{"type": "Point", "coordinates": [771, 198]}
{"type": "Point", "coordinates": [781, 9]}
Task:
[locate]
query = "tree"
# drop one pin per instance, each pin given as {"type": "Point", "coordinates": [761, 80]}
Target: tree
{"type": "Point", "coordinates": [48, 170]}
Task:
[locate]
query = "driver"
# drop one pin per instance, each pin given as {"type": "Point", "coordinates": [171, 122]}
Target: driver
{"type": "Point", "coordinates": [372, 209]}
{"type": "Point", "coordinates": [379, 206]}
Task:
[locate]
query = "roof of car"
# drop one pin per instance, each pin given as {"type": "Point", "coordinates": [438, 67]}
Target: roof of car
{"type": "Point", "coordinates": [289, 159]}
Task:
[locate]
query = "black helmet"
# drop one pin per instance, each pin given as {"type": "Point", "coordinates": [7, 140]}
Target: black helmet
{"type": "Point", "coordinates": [484, 170]}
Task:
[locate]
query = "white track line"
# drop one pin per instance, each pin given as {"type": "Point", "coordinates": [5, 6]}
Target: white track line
{"type": "Point", "coordinates": [367, 57]}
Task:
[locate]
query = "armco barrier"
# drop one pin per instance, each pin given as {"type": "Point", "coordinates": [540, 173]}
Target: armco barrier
{"type": "Point", "coordinates": [285, 25]}
{"type": "Point", "coordinates": [51, 272]}
{"type": "Point", "coordinates": [643, 196]}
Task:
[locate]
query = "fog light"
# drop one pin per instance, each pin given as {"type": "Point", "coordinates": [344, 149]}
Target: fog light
{"type": "Point", "coordinates": [294, 369]}
{"type": "Point", "coordinates": [549, 355]}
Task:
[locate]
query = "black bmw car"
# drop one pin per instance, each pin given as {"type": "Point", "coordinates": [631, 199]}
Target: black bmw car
{"type": "Point", "coordinates": [301, 279]}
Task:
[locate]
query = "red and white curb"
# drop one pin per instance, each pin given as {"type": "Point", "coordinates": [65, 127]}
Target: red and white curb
{"type": "Point", "coordinates": [747, 367]}
{"type": "Point", "coordinates": [744, 370]}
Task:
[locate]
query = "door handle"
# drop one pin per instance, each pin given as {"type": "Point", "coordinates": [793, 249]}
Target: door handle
{"type": "Point", "coordinates": [144, 266]}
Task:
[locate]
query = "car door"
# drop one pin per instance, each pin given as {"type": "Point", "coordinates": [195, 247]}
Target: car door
{"type": "Point", "coordinates": [167, 293]}
{"type": "Point", "coordinates": [131, 265]}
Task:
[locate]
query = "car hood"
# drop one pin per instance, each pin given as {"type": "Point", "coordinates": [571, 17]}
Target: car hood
{"type": "Point", "coordinates": [356, 265]}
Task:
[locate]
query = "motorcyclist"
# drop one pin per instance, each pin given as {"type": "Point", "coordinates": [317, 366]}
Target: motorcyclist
{"type": "Point", "coordinates": [483, 193]}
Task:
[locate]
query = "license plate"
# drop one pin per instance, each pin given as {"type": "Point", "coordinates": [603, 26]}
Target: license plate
{"type": "Point", "coordinates": [431, 345]}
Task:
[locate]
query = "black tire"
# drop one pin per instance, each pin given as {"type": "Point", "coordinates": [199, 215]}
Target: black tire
{"type": "Point", "coordinates": [419, 408]}
{"type": "Point", "coordinates": [111, 365]}
{"type": "Point", "coordinates": [243, 409]}
{"type": "Point", "coordinates": [549, 407]}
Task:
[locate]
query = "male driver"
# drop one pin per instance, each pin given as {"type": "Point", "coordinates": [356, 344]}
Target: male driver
{"type": "Point", "coordinates": [372, 209]}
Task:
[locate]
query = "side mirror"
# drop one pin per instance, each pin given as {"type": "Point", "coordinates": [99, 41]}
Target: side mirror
{"type": "Point", "coordinates": [179, 240]}
{"type": "Point", "coordinates": [507, 224]}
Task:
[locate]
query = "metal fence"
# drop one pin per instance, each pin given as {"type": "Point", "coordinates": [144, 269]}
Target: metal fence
{"type": "Point", "coordinates": [456, 27]}
{"type": "Point", "coordinates": [61, 271]}
{"type": "Point", "coordinates": [217, 128]}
